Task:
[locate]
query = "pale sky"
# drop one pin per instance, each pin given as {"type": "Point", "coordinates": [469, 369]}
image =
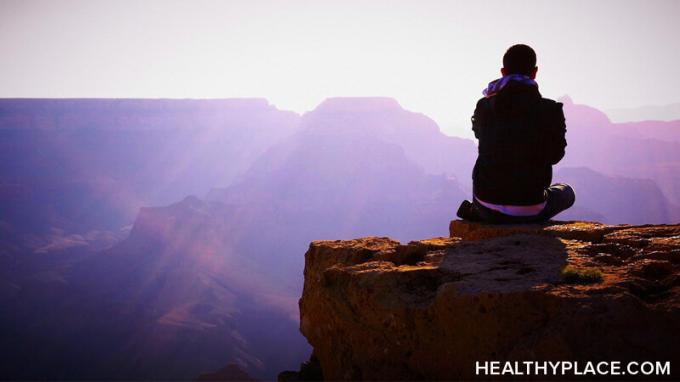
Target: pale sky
{"type": "Point", "coordinates": [434, 57]}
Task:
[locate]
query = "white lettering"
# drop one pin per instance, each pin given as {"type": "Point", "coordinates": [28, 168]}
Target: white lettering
{"type": "Point", "coordinates": [495, 367]}
{"type": "Point", "coordinates": [614, 368]}
{"type": "Point", "coordinates": [566, 366]}
{"type": "Point", "coordinates": [479, 367]}
{"type": "Point", "coordinates": [554, 366]}
{"type": "Point", "coordinates": [602, 368]}
{"type": "Point", "coordinates": [647, 368]}
{"type": "Point", "coordinates": [590, 368]}
{"type": "Point", "coordinates": [541, 368]}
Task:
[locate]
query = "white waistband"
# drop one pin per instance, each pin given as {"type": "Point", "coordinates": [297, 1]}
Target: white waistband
{"type": "Point", "coordinates": [511, 210]}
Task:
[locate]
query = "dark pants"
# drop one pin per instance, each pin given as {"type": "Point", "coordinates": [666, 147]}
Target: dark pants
{"type": "Point", "coordinates": [559, 197]}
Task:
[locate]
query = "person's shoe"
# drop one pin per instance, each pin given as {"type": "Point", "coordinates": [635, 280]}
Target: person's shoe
{"type": "Point", "coordinates": [466, 211]}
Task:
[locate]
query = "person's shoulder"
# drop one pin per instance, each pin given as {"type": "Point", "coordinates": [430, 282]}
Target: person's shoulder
{"type": "Point", "coordinates": [550, 102]}
{"type": "Point", "coordinates": [551, 105]}
{"type": "Point", "coordinates": [482, 103]}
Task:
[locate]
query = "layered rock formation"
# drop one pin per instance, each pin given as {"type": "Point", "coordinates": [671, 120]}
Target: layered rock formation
{"type": "Point", "coordinates": [373, 308]}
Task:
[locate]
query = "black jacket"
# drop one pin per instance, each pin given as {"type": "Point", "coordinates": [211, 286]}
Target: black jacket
{"type": "Point", "coordinates": [521, 135]}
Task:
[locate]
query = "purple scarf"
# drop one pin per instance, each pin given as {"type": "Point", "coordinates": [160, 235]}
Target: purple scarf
{"type": "Point", "coordinates": [496, 86]}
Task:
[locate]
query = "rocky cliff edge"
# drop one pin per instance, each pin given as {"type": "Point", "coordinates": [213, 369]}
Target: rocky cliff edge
{"type": "Point", "coordinates": [376, 309]}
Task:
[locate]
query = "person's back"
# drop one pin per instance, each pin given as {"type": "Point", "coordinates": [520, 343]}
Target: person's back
{"type": "Point", "coordinates": [521, 135]}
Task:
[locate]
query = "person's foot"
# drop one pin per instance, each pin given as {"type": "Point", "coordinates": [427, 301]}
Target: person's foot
{"type": "Point", "coordinates": [466, 211]}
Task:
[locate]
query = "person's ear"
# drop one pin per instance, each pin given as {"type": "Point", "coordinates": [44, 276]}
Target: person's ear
{"type": "Point", "coordinates": [533, 73]}
{"type": "Point", "coordinates": [503, 71]}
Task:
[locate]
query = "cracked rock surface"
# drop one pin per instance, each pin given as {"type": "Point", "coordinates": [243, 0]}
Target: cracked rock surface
{"type": "Point", "coordinates": [376, 309]}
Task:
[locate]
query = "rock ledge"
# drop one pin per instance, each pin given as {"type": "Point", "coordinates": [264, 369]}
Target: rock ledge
{"type": "Point", "coordinates": [373, 308]}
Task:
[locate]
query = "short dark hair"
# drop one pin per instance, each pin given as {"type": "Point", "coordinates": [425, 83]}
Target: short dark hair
{"type": "Point", "coordinates": [519, 59]}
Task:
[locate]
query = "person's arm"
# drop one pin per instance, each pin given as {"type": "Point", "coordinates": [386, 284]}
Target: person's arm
{"type": "Point", "coordinates": [478, 118]}
{"type": "Point", "coordinates": [557, 138]}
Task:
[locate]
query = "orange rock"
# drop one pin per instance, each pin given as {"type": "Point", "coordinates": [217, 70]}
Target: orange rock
{"type": "Point", "coordinates": [373, 308]}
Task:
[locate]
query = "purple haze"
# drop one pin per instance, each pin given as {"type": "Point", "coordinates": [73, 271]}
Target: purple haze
{"type": "Point", "coordinates": [99, 230]}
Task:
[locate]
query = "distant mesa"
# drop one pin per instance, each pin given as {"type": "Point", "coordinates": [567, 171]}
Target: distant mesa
{"type": "Point", "coordinates": [669, 112]}
{"type": "Point", "coordinates": [583, 116]}
{"type": "Point", "coordinates": [566, 100]}
{"type": "Point", "coordinates": [357, 104]}
{"type": "Point", "coordinates": [605, 198]}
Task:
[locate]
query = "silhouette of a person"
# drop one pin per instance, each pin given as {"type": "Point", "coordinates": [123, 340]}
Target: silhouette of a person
{"type": "Point", "coordinates": [521, 136]}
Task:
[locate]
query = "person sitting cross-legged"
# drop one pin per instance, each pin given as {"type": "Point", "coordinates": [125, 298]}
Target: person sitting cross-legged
{"type": "Point", "coordinates": [521, 136]}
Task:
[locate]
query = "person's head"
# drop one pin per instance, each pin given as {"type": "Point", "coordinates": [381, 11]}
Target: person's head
{"type": "Point", "coordinates": [519, 59]}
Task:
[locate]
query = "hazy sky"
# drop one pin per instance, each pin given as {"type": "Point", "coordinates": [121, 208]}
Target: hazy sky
{"type": "Point", "coordinates": [432, 56]}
